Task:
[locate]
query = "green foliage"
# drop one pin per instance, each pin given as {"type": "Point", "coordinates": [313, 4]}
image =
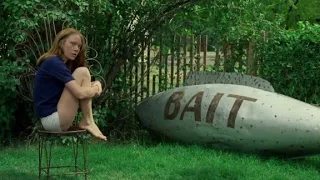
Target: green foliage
{"type": "Point", "coordinates": [303, 10]}
{"type": "Point", "coordinates": [229, 20]}
{"type": "Point", "coordinates": [8, 93]}
{"type": "Point", "coordinates": [291, 62]}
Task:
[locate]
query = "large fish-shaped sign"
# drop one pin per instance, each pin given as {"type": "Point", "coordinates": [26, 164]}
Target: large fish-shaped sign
{"type": "Point", "coordinates": [233, 116]}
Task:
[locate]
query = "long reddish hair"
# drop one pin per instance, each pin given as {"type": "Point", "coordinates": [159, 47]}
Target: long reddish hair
{"type": "Point", "coordinates": [56, 49]}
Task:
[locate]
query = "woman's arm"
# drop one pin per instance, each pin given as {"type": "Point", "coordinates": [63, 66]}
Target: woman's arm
{"type": "Point", "coordinates": [83, 92]}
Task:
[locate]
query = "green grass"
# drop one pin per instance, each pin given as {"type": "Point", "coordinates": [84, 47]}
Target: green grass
{"type": "Point", "coordinates": [161, 161]}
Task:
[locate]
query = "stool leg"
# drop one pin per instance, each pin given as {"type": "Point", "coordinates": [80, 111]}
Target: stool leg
{"type": "Point", "coordinates": [48, 158]}
{"type": "Point", "coordinates": [85, 154]}
{"type": "Point", "coordinates": [46, 154]}
{"type": "Point", "coordinates": [75, 153]}
{"type": "Point", "coordinates": [40, 156]}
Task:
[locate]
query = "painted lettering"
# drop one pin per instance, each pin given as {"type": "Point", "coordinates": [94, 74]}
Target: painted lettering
{"type": "Point", "coordinates": [196, 109]}
{"type": "Point", "coordinates": [175, 100]}
{"type": "Point", "coordinates": [213, 106]}
{"type": "Point", "coordinates": [176, 97]}
{"type": "Point", "coordinates": [235, 108]}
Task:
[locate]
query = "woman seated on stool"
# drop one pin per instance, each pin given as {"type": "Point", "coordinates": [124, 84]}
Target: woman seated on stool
{"type": "Point", "coordinates": [63, 84]}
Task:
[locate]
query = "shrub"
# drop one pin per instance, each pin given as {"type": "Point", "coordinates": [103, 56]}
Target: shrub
{"type": "Point", "coordinates": [291, 62]}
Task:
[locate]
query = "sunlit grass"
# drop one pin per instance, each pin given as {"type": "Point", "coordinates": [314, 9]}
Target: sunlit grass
{"type": "Point", "coordinates": [161, 161]}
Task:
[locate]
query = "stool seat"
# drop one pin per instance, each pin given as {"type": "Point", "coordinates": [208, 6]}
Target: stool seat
{"type": "Point", "coordinates": [71, 131]}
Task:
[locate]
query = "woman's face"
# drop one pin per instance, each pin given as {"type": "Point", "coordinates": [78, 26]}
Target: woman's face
{"type": "Point", "coordinates": [71, 47]}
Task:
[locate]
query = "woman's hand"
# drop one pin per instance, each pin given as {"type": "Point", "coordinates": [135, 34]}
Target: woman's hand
{"type": "Point", "coordinates": [98, 84]}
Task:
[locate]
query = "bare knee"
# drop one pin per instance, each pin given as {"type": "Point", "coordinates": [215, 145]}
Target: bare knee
{"type": "Point", "coordinates": [81, 72]}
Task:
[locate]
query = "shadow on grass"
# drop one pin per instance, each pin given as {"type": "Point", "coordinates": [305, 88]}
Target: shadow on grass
{"type": "Point", "coordinates": [15, 175]}
{"type": "Point", "coordinates": [210, 173]}
{"type": "Point", "coordinates": [306, 163]}
{"type": "Point", "coordinates": [309, 162]}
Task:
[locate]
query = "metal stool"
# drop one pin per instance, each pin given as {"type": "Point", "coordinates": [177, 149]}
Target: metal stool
{"type": "Point", "coordinates": [45, 136]}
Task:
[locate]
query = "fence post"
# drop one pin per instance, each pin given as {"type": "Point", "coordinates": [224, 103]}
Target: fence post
{"type": "Point", "coordinates": [166, 71]}
{"type": "Point", "coordinates": [217, 59]}
{"type": "Point", "coordinates": [205, 52]}
{"type": "Point", "coordinates": [172, 60]}
{"type": "Point", "coordinates": [178, 61]}
{"type": "Point", "coordinates": [153, 84]}
{"type": "Point", "coordinates": [250, 59]}
{"type": "Point", "coordinates": [148, 69]}
{"type": "Point", "coordinates": [191, 51]}
{"type": "Point", "coordinates": [184, 58]}
{"type": "Point", "coordinates": [136, 81]}
{"type": "Point", "coordinates": [142, 71]}
{"type": "Point", "coordinates": [199, 53]}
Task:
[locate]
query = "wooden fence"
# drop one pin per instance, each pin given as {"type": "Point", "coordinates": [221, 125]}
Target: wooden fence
{"type": "Point", "coordinates": [166, 65]}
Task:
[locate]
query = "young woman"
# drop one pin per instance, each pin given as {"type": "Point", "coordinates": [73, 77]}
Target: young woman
{"type": "Point", "coordinates": [63, 84]}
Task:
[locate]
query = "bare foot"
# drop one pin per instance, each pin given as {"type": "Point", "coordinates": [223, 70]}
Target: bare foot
{"type": "Point", "coordinates": [93, 129]}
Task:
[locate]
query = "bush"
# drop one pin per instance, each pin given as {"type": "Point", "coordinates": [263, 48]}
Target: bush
{"type": "Point", "coordinates": [291, 62]}
{"type": "Point", "coordinates": [8, 100]}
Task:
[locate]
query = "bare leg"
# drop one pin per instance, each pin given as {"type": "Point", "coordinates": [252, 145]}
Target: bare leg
{"type": "Point", "coordinates": [87, 121]}
{"type": "Point", "coordinates": [68, 106]}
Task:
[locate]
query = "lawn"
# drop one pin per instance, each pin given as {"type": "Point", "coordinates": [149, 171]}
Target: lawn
{"type": "Point", "coordinates": [160, 161]}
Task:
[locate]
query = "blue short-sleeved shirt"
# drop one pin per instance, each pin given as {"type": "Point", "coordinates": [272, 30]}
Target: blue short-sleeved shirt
{"type": "Point", "coordinates": [50, 80]}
